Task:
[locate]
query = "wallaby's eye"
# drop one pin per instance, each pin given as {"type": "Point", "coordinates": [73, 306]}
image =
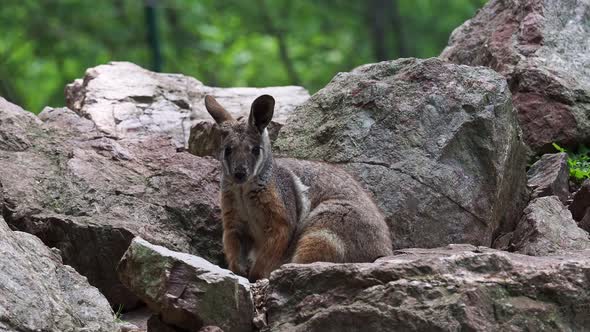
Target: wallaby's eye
{"type": "Point", "coordinates": [227, 150]}
{"type": "Point", "coordinates": [256, 150]}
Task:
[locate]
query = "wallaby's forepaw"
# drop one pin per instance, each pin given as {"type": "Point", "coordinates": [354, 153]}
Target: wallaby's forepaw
{"type": "Point", "coordinates": [256, 272]}
{"type": "Point", "coordinates": [238, 269]}
{"type": "Point", "coordinates": [253, 276]}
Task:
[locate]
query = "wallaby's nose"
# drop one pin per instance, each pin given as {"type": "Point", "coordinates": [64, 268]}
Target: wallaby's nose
{"type": "Point", "coordinates": [240, 176]}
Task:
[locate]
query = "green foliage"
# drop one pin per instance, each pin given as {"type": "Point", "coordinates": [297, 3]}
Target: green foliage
{"type": "Point", "coordinates": [578, 162]}
{"type": "Point", "coordinates": [119, 314]}
{"type": "Point", "coordinates": [46, 44]}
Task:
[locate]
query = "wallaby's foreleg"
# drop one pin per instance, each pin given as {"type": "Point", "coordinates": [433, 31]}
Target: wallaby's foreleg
{"type": "Point", "coordinates": [271, 255]}
{"type": "Point", "coordinates": [232, 249]}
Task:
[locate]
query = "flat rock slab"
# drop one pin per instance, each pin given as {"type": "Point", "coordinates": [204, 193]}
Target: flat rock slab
{"type": "Point", "coordinates": [39, 293]}
{"type": "Point", "coordinates": [543, 48]}
{"type": "Point", "coordinates": [125, 100]}
{"type": "Point", "coordinates": [456, 288]}
{"type": "Point", "coordinates": [549, 176]}
{"type": "Point", "coordinates": [547, 228]}
{"type": "Point", "coordinates": [187, 291]}
{"type": "Point", "coordinates": [438, 144]}
{"type": "Point", "coordinates": [88, 194]}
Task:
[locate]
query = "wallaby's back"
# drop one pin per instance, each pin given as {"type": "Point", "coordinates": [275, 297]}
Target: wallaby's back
{"type": "Point", "coordinates": [335, 216]}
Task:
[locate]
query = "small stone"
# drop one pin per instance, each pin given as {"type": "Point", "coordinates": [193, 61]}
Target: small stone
{"type": "Point", "coordinates": [549, 176]}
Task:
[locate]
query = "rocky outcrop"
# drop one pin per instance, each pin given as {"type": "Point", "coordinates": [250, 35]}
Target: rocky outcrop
{"type": "Point", "coordinates": [39, 293]}
{"type": "Point", "coordinates": [88, 194]}
{"type": "Point", "coordinates": [438, 145]}
{"type": "Point", "coordinates": [547, 228]}
{"type": "Point", "coordinates": [550, 176]}
{"type": "Point", "coordinates": [124, 100]}
{"type": "Point", "coordinates": [542, 48]}
{"type": "Point", "coordinates": [459, 287]}
{"type": "Point", "coordinates": [187, 291]}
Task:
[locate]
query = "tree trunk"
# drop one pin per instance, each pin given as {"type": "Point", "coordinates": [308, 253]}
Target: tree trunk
{"type": "Point", "coordinates": [279, 34]}
{"type": "Point", "coordinates": [377, 15]}
{"type": "Point", "coordinates": [397, 27]}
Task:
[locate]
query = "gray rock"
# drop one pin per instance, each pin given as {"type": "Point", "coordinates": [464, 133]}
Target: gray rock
{"type": "Point", "coordinates": [547, 228]}
{"type": "Point", "coordinates": [187, 291]}
{"type": "Point", "coordinates": [550, 176]}
{"type": "Point", "coordinates": [88, 194]}
{"type": "Point", "coordinates": [457, 288]}
{"type": "Point", "coordinates": [543, 48]}
{"type": "Point", "coordinates": [39, 293]}
{"type": "Point", "coordinates": [125, 100]}
{"type": "Point", "coordinates": [581, 201]}
{"type": "Point", "coordinates": [438, 145]}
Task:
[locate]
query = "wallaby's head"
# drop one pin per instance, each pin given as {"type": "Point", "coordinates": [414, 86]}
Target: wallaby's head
{"type": "Point", "coordinates": [245, 146]}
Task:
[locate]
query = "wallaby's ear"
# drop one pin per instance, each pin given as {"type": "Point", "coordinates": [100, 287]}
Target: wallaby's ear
{"type": "Point", "coordinates": [217, 111]}
{"type": "Point", "coordinates": [261, 112]}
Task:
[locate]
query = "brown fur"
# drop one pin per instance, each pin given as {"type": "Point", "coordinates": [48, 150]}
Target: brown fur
{"type": "Point", "coordinates": [270, 239]}
{"type": "Point", "coordinates": [287, 210]}
{"type": "Point", "coordinates": [314, 247]}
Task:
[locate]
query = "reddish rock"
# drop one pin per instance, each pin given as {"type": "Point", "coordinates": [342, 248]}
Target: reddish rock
{"type": "Point", "coordinates": [88, 194]}
{"type": "Point", "coordinates": [541, 47]}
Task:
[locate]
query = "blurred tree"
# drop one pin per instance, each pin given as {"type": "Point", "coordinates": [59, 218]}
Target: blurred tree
{"type": "Point", "coordinates": [45, 44]}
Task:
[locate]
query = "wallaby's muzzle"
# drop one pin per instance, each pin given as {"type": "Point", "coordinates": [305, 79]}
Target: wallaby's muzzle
{"type": "Point", "coordinates": [240, 175]}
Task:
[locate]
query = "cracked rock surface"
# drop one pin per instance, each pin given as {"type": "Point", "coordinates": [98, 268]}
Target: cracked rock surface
{"type": "Point", "coordinates": [456, 288]}
{"type": "Point", "coordinates": [438, 144]}
{"type": "Point", "coordinates": [88, 194]}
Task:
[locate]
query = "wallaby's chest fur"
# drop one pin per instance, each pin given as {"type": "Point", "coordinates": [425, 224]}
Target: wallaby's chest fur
{"type": "Point", "coordinates": [255, 208]}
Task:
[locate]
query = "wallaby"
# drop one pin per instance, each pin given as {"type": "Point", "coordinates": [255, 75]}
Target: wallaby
{"type": "Point", "coordinates": [278, 211]}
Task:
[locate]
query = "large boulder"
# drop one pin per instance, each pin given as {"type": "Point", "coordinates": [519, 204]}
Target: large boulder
{"type": "Point", "coordinates": [187, 291]}
{"type": "Point", "coordinates": [39, 293]}
{"type": "Point", "coordinates": [438, 144]}
{"type": "Point", "coordinates": [457, 288]}
{"type": "Point", "coordinates": [125, 100]}
{"type": "Point", "coordinates": [543, 48]}
{"type": "Point", "coordinates": [88, 194]}
{"type": "Point", "coordinates": [547, 228]}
